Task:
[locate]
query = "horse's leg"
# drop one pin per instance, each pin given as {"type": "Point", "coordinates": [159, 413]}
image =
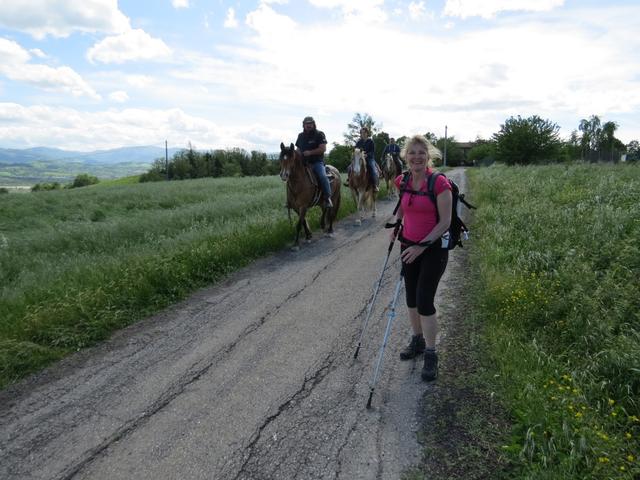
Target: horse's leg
{"type": "Point", "coordinates": [305, 224]}
{"type": "Point", "coordinates": [362, 204]}
{"type": "Point", "coordinates": [373, 201]}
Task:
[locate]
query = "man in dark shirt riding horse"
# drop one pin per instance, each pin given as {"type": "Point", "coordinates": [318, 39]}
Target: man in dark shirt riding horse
{"type": "Point", "coordinates": [312, 144]}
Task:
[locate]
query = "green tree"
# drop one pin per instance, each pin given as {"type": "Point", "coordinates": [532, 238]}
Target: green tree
{"type": "Point", "coordinates": [340, 156]}
{"type": "Point", "coordinates": [353, 129]}
{"type": "Point", "coordinates": [527, 140]}
{"type": "Point", "coordinates": [257, 164]}
{"type": "Point", "coordinates": [455, 155]}
{"type": "Point", "coordinates": [380, 140]}
{"type": "Point", "coordinates": [633, 151]}
{"type": "Point", "coordinates": [483, 154]}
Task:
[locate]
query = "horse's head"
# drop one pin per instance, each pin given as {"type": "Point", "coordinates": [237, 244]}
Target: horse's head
{"type": "Point", "coordinates": [288, 158]}
{"type": "Point", "coordinates": [357, 161]}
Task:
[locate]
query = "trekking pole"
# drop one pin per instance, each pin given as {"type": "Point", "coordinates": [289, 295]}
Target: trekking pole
{"type": "Point", "coordinates": [392, 316]}
{"type": "Point", "coordinates": [396, 228]}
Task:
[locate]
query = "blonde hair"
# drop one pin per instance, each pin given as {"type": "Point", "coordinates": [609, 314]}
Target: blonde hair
{"type": "Point", "coordinates": [432, 151]}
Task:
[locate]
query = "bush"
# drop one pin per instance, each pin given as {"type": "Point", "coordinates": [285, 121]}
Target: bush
{"type": "Point", "coordinates": [84, 180]}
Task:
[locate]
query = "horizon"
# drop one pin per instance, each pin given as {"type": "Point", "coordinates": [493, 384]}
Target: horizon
{"type": "Point", "coordinates": [121, 74]}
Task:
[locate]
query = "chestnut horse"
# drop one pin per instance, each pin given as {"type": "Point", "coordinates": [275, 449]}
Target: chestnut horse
{"type": "Point", "coordinates": [360, 186]}
{"type": "Point", "coordinates": [303, 192]}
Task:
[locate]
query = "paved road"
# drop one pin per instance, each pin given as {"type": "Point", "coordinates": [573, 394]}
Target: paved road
{"type": "Point", "coordinates": [251, 379]}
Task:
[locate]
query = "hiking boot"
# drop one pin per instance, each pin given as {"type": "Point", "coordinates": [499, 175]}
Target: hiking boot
{"type": "Point", "coordinates": [430, 368]}
{"type": "Point", "coordinates": [328, 203]}
{"type": "Point", "coordinates": [415, 348]}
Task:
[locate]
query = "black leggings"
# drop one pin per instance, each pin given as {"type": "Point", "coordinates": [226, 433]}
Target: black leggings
{"type": "Point", "coordinates": [421, 278]}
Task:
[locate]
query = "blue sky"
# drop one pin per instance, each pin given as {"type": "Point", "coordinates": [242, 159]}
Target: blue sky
{"type": "Point", "coordinates": [97, 74]}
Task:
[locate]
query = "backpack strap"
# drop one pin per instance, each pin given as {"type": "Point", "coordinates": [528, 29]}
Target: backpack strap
{"type": "Point", "coordinates": [403, 188]}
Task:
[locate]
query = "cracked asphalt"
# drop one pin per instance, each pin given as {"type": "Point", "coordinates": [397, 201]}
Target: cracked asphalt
{"type": "Point", "coordinates": [251, 379]}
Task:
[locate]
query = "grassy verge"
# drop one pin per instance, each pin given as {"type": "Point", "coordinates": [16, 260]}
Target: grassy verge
{"type": "Point", "coordinates": [556, 272]}
{"type": "Point", "coordinates": [77, 264]}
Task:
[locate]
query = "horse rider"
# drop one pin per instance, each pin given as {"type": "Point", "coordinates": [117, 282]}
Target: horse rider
{"type": "Point", "coordinates": [394, 149]}
{"type": "Point", "coordinates": [369, 148]}
{"type": "Point", "coordinates": [312, 144]}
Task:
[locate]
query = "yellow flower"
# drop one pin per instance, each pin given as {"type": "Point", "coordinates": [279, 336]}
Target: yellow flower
{"type": "Point", "coordinates": [603, 459]}
{"type": "Point", "coordinates": [631, 458]}
{"type": "Point", "coordinates": [622, 469]}
{"type": "Point", "coordinates": [611, 401]}
{"type": "Point", "coordinates": [578, 414]}
{"type": "Point", "coordinates": [614, 414]}
{"type": "Point", "coordinates": [633, 418]}
{"type": "Point", "coordinates": [627, 435]}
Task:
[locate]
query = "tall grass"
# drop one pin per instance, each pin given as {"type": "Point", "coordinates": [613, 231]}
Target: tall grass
{"type": "Point", "coordinates": [77, 264]}
{"type": "Point", "coordinates": [557, 269]}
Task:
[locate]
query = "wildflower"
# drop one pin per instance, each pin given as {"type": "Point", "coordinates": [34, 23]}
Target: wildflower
{"type": "Point", "coordinates": [578, 414]}
{"type": "Point", "coordinates": [622, 469]}
{"type": "Point", "coordinates": [630, 458]}
{"type": "Point", "coordinates": [575, 391]}
{"type": "Point", "coordinates": [633, 418]}
{"type": "Point", "coordinates": [603, 459]}
{"type": "Point", "coordinates": [611, 401]}
{"type": "Point", "coordinates": [627, 436]}
{"type": "Point", "coordinates": [603, 436]}
{"type": "Point", "coordinates": [614, 414]}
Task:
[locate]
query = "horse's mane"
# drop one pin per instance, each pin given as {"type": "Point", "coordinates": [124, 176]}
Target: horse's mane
{"type": "Point", "coordinates": [358, 156]}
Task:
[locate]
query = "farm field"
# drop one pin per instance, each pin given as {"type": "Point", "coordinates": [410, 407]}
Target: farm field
{"type": "Point", "coordinates": [556, 281]}
{"type": "Point", "coordinates": [77, 264]}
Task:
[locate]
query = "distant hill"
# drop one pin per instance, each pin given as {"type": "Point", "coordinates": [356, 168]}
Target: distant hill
{"type": "Point", "coordinates": [117, 155]}
{"type": "Point", "coordinates": [41, 164]}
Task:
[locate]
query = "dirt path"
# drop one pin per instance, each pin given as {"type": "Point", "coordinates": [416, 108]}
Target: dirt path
{"type": "Point", "coordinates": [251, 379]}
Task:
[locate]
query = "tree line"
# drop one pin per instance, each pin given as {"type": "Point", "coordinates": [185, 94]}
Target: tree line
{"type": "Point", "coordinates": [531, 140]}
{"type": "Point", "coordinates": [520, 141]}
{"type": "Point", "coordinates": [190, 163]}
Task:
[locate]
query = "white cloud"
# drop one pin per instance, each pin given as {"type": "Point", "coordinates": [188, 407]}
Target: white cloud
{"type": "Point", "coordinates": [132, 45]}
{"type": "Point", "coordinates": [417, 10]}
{"type": "Point", "coordinates": [230, 21]}
{"type": "Point", "coordinates": [60, 18]}
{"type": "Point", "coordinates": [38, 53]}
{"type": "Point", "coordinates": [489, 8]}
{"type": "Point", "coordinates": [119, 96]}
{"type": "Point", "coordinates": [180, 3]}
{"type": "Point", "coordinates": [73, 129]}
{"type": "Point", "coordinates": [367, 11]}
{"type": "Point", "coordinates": [15, 67]}
{"type": "Point", "coordinates": [139, 81]}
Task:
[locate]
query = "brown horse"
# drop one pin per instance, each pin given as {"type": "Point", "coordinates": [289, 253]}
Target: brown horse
{"type": "Point", "coordinates": [389, 174]}
{"type": "Point", "coordinates": [361, 186]}
{"type": "Point", "coordinates": [303, 192]}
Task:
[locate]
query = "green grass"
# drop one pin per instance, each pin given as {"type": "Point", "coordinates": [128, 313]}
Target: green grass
{"type": "Point", "coordinates": [133, 179]}
{"type": "Point", "coordinates": [556, 277]}
{"type": "Point", "coordinates": [77, 264]}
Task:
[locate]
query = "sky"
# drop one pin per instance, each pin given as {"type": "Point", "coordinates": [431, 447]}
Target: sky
{"type": "Point", "coordinates": [98, 74]}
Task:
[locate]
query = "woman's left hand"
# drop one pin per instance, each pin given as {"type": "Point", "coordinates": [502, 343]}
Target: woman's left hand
{"type": "Point", "coordinates": [411, 253]}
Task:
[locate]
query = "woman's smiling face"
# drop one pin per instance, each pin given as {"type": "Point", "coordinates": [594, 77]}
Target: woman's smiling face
{"type": "Point", "coordinates": [417, 156]}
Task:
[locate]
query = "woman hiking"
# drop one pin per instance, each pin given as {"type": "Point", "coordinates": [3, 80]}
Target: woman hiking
{"type": "Point", "coordinates": [424, 260]}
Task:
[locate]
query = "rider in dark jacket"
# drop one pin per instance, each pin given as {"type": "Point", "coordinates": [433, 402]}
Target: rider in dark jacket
{"type": "Point", "coordinates": [394, 149]}
{"type": "Point", "coordinates": [312, 144]}
{"type": "Point", "coordinates": [368, 147]}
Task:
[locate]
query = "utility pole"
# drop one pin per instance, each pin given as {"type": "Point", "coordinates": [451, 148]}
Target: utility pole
{"type": "Point", "coordinates": [166, 158]}
{"type": "Point", "coordinates": [445, 146]}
